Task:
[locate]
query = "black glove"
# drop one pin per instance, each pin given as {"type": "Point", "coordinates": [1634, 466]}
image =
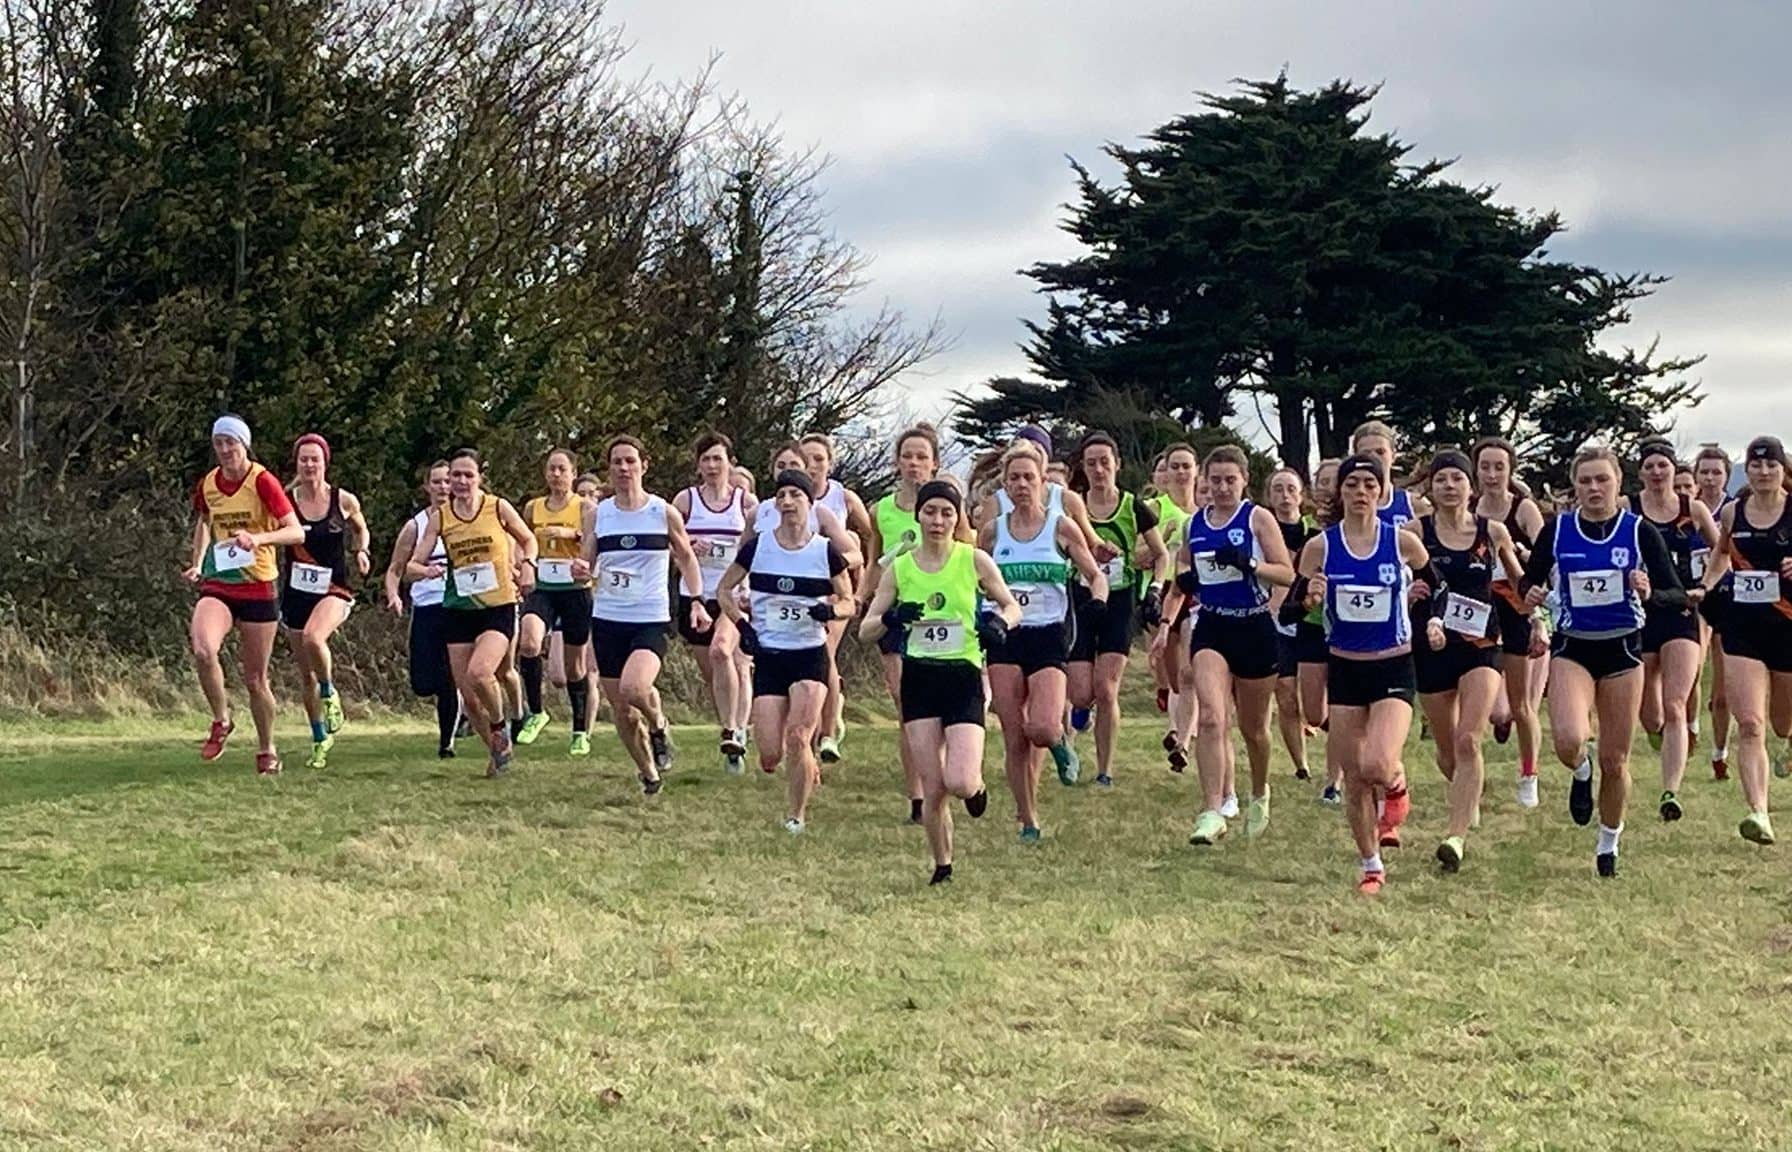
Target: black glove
{"type": "Point", "coordinates": [1188, 583]}
{"type": "Point", "coordinates": [1152, 610]}
{"type": "Point", "coordinates": [899, 616]}
{"type": "Point", "coordinates": [749, 639]}
{"type": "Point", "coordinates": [1232, 556]}
{"type": "Point", "coordinates": [1095, 611]}
{"type": "Point", "coordinates": [1294, 606]}
{"type": "Point", "coordinates": [823, 612]}
{"type": "Point", "coordinates": [992, 630]}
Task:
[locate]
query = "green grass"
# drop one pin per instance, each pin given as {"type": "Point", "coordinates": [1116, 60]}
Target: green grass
{"type": "Point", "coordinates": [399, 954]}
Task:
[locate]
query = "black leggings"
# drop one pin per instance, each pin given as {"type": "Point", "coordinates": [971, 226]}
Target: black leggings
{"type": "Point", "coordinates": [447, 716]}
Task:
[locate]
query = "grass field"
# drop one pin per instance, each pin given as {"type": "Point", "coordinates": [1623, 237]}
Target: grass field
{"type": "Point", "coordinates": [399, 954]}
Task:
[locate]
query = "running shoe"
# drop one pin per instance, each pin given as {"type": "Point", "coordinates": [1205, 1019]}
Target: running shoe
{"type": "Point", "coordinates": [1389, 838]}
{"type": "Point", "coordinates": [942, 874]}
{"type": "Point", "coordinates": [1174, 751]}
{"type": "Point", "coordinates": [1163, 699]}
{"type": "Point", "coordinates": [793, 826]}
{"type": "Point", "coordinates": [1606, 864]}
{"type": "Point", "coordinates": [1720, 766]}
{"type": "Point", "coordinates": [333, 717]}
{"type": "Point", "coordinates": [1580, 792]}
{"type": "Point", "coordinates": [1449, 854]}
{"type": "Point", "coordinates": [1302, 772]}
{"type": "Point", "coordinates": [1396, 808]}
{"type": "Point", "coordinates": [651, 787]}
{"type": "Point", "coordinates": [1229, 806]}
{"type": "Point", "coordinates": [1756, 828]}
{"type": "Point", "coordinates": [1527, 791]}
{"type": "Point", "coordinates": [978, 804]}
{"type": "Point", "coordinates": [828, 749]}
{"type": "Point", "coordinates": [1502, 731]}
{"type": "Point", "coordinates": [1256, 820]}
{"type": "Point", "coordinates": [267, 764]}
{"type": "Point", "coordinates": [1103, 780]}
{"type": "Point", "coordinates": [532, 727]}
{"type": "Point", "coordinates": [1331, 797]}
{"type": "Point", "coordinates": [1370, 884]}
{"type": "Point", "coordinates": [1670, 807]}
{"type": "Point", "coordinates": [320, 752]}
{"type": "Point", "coordinates": [1068, 763]}
{"type": "Point", "coordinates": [1030, 835]}
{"type": "Point", "coordinates": [503, 751]}
{"type": "Point", "coordinates": [1079, 719]}
{"type": "Point", "coordinates": [734, 743]}
{"type": "Point", "coordinates": [662, 748]}
{"type": "Point", "coordinates": [581, 744]}
{"type": "Point", "coordinates": [444, 753]}
{"type": "Point", "coordinates": [1210, 828]}
{"type": "Point", "coordinates": [734, 765]}
{"type": "Point", "coordinates": [214, 743]}
{"type": "Point", "coordinates": [1654, 741]}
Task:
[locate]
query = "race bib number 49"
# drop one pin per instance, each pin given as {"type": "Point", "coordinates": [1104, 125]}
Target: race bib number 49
{"type": "Point", "coordinates": [936, 638]}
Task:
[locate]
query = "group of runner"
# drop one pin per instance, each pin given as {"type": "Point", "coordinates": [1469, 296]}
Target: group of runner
{"type": "Point", "coordinates": [1023, 591]}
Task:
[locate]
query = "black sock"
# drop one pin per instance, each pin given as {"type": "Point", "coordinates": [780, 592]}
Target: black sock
{"type": "Point", "coordinates": [516, 728]}
{"type": "Point", "coordinates": [530, 667]}
{"type": "Point", "coordinates": [941, 874]}
{"type": "Point", "coordinates": [447, 717]}
{"type": "Point", "coordinates": [578, 695]}
{"type": "Point", "coordinates": [914, 811]}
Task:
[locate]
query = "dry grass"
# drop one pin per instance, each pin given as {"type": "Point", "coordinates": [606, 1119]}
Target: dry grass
{"type": "Point", "coordinates": [400, 955]}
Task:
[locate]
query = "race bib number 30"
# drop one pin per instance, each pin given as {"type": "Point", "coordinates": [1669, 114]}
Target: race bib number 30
{"type": "Point", "coordinates": [1467, 617]}
{"type": "Point", "coordinates": [475, 579]}
{"type": "Point", "coordinates": [1365, 604]}
{"type": "Point", "coordinates": [936, 638]}
{"type": "Point", "coordinates": [227, 557]}
{"type": "Point", "coordinates": [1757, 587]}
{"type": "Point", "coordinates": [1209, 572]}
{"type": "Point", "coordinates": [1597, 589]}
{"type": "Point", "coordinates": [309, 578]}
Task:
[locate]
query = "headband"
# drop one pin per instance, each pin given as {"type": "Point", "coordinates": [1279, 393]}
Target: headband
{"type": "Point", "coordinates": [1360, 463]}
{"type": "Point", "coordinates": [1657, 448]}
{"type": "Point", "coordinates": [233, 427]}
{"type": "Point", "coordinates": [311, 438]}
{"type": "Point", "coordinates": [791, 478]}
{"type": "Point", "coordinates": [1767, 448]}
{"type": "Point", "coordinates": [939, 490]}
{"type": "Point", "coordinates": [1451, 458]}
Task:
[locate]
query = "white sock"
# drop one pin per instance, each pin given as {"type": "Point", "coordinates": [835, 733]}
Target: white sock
{"type": "Point", "coordinates": [1584, 769]}
{"type": "Point", "coordinates": [1718, 754]}
{"type": "Point", "coordinates": [1608, 839]}
{"type": "Point", "coordinates": [1372, 863]}
{"type": "Point", "coordinates": [1692, 726]}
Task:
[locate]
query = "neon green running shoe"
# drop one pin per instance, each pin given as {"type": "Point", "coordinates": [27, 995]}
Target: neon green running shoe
{"type": "Point", "coordinates": [1449, 854]}
{"type": "Point", "coordinates": [581, 744]}
{"type": "Point", "coordinates": [532, 728]}
{"type": "Point", "coordinates": [320, 753]}
{"type": "Point", "coordinates": [333, 717]}
{"type": "Point", "coordinates": [1210, 828]}
{"type": "Point", "coordinates": [1756, 828]}
{"type": "Point", "coordinates": [1256, 818]}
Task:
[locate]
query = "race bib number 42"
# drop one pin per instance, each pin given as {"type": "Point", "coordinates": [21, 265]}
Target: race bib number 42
{"type": "Point", "coordinates": [1599, 589]}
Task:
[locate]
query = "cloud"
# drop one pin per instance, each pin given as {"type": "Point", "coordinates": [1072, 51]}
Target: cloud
{"type": "Point", "coordinates": [1661, 130]}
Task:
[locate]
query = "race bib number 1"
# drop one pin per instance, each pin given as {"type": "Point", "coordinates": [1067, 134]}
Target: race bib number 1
{"type": "Point", "coordinates": [1757, 587]}
{"type": "Point", "coordinates": [555, 572]}
{"type": "Point", "coordinates": [227, 557]}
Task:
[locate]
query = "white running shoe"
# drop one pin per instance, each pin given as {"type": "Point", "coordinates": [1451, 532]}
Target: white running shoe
{"type": "Point", "coordinates": [793, 826]}
{"type": "Point", "coordinates": [1527, 791]}
{"type": "Point", "coordinates": [1229, 807]}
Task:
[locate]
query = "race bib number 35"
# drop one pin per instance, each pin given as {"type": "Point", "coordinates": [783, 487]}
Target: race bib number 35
{"type": "Point", "coordinates": [1757, 587]}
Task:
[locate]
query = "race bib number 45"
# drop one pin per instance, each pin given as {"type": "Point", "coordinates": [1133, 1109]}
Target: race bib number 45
{"type": "Point", "coordinates": [1365, 604]}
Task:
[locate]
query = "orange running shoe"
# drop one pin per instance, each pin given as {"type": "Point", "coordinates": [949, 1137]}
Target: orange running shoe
{"type": "Point", "coordinates": [214, 743]}
{"type": "Point", "coordinates": [1370, 884]}
{"type": "Point", "coordinates": [267, 763]}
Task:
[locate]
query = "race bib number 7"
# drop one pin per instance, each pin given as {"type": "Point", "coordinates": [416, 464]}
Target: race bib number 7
{"type": "Point", "coordinates": [476, 579]}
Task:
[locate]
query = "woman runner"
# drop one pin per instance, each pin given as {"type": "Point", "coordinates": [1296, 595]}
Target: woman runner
{"type": "Point", "coordinates": [316, 599]}
{"type": "Point", "coordinates": [1312, 655]}
{"type": "Point", "coordinates": [1234, 555]}
{"type": "Point", "coordinates": [560, 605]}
{"type": "Point", "coordinates": [243, 516]}
{"type": "Point", "coordinates": [931, 594]}
{"type": "Point", "coordinates": [1524, 655]}
{"type": "Point", "coordinates": [1287, 497]}
{"type": "Point", "coordinates": [1671, 651]}
{"type": "Point", "coordinates": [427, 637]}
{"type": "Point", "coordinates": [1377, 441]}
{"type": "Point", "coordinates": [1104, 635]}
{"type": "Point", "coordinates": [489, 566]}
{"type": "Point", "coordinates": [1175, 503]}
{"type": "Point", "coordinates": [1606, 563]}
{"type": "Point", "coordinates": [1035, 550]}
{"type": "Point", "coordinates": [1711, 473]}
{"type": "Point", "coordinates": [716, 514]}
{"type": "Point", "coordinates": [1457, 669]}
{"type": "Point", "coordinates": [844, 503]}
{"type": "Point", "coordinates": [631, 541]}
{"type": "Point", "coordinates": [1756, 546]}
{"type": "Point", "coordinates": [797, 584]}
{"type": "Point", "coordinates": [1359, 569]}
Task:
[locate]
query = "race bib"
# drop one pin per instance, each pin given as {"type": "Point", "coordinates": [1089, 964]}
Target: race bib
{"type": "Point", "coordinates": [936, 638]}
{"type": "Point", "coordinates": [475, 579]}
{"type": "Point", "coordinates": [1699, 559]}
{"type": "Point", "coordinates": [714, 553]}
{"type": "Point", "coordinates": [1597, 589]}
{"type": "Point", "coordinates": [786, 616]}
{"type": "Point", "coordinates": [1757, 587]}
{"type": "Point", "coordinates": [1364, 604]}
{"type": "Point", "coordinates": [309, 578]}
{"type": "Point", "coordinates": [554, 571]}
{"type": "Point", "coordinates": [1467, 617]}
{"type": "Point", "coordinates": [1115, 571]}
{"type": "Point", "coordinates": [1208, 572]}
{"type": "Point", "coordinates": [1039, 603]}
{"type": "Point", "coordinates": [227, 557]}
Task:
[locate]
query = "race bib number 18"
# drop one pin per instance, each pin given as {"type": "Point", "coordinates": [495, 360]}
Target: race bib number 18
{"type": "Point", "coordinates": [309, 578]}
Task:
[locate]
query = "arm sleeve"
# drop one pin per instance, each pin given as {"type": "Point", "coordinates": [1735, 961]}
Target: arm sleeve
{"type": "Point", "coordinates": [744, 556]}
{"type": "Point", "coordinates": [1146, 514]}
{"type": "Point", "coordinates": [1665, 589]}
{"type": "Point", "coordinates": [836, 560]}
{"type": "Point", "coordinates": [1543, 557]}
{"type": "Point", "coordinates": [273, 497]}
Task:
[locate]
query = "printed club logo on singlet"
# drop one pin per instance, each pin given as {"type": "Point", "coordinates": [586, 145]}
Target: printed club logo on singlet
{"type": "Point", "coordinates": [628, 541]}
{"type": "Point", "coordinates": [1621, 557]}
{"type": "Point", "coordinates": [786, 584]}
{"type": "Point", "coordinates": [936, 601]}
{"type": "Point", "coordinates": [1235, 537]}
{"type": "Point", "coordinates": [1388, 574]}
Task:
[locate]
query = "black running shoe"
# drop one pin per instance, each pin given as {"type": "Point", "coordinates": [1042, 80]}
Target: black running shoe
{"type": "Point", "coordinates": [662, 748]}
{"type": "Point", "coordinates": [914, 811]}
{"type": "Point", "coordinates": [1580, 801]}
{"type": "Point", "coordinates": [1607, 863]}
{"type": "Point", "coordinates": [651, 787]}
{"type": "Point", "coordinates": [1670, 807]}
{"type": "Point", "coordinates": [978, 804]}
{"type": "Point", "coordinates": [941, 875]}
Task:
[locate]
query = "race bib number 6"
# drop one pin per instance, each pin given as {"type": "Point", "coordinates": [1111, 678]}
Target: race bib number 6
{"type": "Point", "coordinates": [227, 557]}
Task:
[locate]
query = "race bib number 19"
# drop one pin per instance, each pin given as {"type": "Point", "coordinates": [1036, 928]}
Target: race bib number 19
{"type": "Point", "coordinates": [1467, 617]}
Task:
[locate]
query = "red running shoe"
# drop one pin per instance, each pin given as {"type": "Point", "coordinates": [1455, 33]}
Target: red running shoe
{"type": "Point", "coordinates": [267, 763]}
{"type": "Point", "coordinates": [1163, 699]}
{"type": "Point", "coordinates": [1720, 769]}
{"type": "Point", "coordinates": [214, 743]}
{"type": "Point", "coordinates": [1370, 884]}
{"type": "Point", "coordinates": [1395, 807]}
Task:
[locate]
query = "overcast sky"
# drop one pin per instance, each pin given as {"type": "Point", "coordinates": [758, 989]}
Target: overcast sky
{"type": "Point", "coordinates": [1661, 130]}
